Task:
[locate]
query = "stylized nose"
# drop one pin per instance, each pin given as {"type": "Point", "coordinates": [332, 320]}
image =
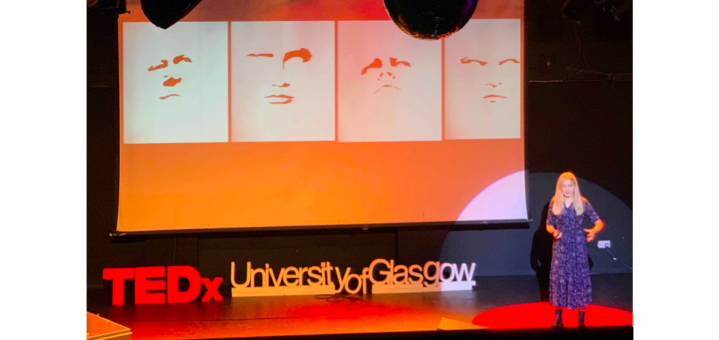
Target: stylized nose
{"type": "Point", "coordinates": [386, 74]}
{"type": "Point", "coordinates": [172, 82]}
{"type": "Point", "coordinates": [491, 84]}
{"type": "Point", "coordinates": [284, 84]}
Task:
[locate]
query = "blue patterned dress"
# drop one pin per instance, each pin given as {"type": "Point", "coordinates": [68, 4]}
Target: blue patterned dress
{"type": "Point", "coordinates": [570, 285]}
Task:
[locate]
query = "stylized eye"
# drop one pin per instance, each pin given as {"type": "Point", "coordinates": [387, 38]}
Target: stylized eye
{"type": "Point", "coordinates": [302, 53]}
{"type": "Point", "coordinates": [269, 55]}
{"type": "Point", "coordinates": [511, 60]}
{"type": "Point", "coordinates": [395, 63]}
{"type": "Point", "coordinates": [180, 58]}
{"type": "Point", "coordinates": [163, 64]}
{"type": "Point", "coordinates": [377, 63]}
{"type": "Point", "coordinates": [466, 60]}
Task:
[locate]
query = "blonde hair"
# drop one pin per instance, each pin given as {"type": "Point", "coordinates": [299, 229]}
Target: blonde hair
{"type": "Point", "coordinates": [559, 205]}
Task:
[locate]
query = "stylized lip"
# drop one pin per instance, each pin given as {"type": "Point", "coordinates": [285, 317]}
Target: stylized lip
{"type": "Point", "coordinates": [491, 96]}
{"type": "Point", "coordinates": [287, 101]}
{"type": "Point", "coordinates": [384, 86]}
{"type": "Point", "coordinates": [170, 95]}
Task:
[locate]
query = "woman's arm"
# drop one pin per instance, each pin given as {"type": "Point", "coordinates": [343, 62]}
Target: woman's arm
{"type": "Point", "coordinates": [555, 233]}
{"type": "Point", "coordinates": [551, 221]}
{"type": "Point", "coordinates": [550, 229]}
{"type": "Point", "coordinates": [599, 225]}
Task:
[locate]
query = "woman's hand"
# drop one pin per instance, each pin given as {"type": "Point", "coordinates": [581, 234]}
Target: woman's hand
{"type": "Point", "coordinates": [591, 234]}
{"type": "Point", "coordinates": [557, 234]}
{"type": "Point", "coordinates": [599, 225]}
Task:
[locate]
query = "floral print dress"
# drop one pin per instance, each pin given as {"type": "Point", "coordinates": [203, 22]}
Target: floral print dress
{"type": "Point", "coordinates": [570, 285]}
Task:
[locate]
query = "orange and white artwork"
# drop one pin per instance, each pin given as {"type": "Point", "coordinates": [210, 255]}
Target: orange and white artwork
{"type": "Point", "coordinates": [175, 87]}
{"type": "Point", "coordinates": [389, 84]}
{"type": "Point", "coordinates": [283, 81]}
{"type": "Point", "coordinates": [483, 80]}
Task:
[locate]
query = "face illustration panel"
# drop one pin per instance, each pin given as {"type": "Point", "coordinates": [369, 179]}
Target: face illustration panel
{"type": "Point", "coordinates": [389, 84]}
{"type": "Point", "coordinates": [483, 80]}
{"type": "Point", "coordinates": [283, 81]}
{"type": "Point", "coordinates": [175, 83]}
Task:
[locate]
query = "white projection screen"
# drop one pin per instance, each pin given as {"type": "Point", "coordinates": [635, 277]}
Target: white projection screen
{"type": "Point", "coordinates": [267, 114]}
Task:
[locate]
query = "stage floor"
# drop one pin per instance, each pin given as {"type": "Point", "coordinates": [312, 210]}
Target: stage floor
{"type": "Point", "coordinates": [308, 315]}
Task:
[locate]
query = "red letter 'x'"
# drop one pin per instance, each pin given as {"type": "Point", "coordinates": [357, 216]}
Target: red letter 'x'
{"type": "Point", "coordinates": [212, 287]}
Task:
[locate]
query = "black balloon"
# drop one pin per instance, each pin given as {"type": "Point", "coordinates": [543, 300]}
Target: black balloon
{"type": "Point", "coordinates": [165, 13]}
{"type": "Point", "coordinates": [430, 19]}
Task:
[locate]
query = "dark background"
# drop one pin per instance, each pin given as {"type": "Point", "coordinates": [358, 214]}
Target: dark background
{"type": "Point", "coordinates": [578, 117]}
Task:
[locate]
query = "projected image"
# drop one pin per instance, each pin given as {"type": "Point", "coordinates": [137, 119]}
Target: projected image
{"type": "Point", "coordinates": [283, 81]}
{"type": "Point", "coordinates": [297, 117]}
{"type": "Point", "coordinates": [175, 83]}
{"type": "Point", "coordinates": [482, 74]}
{"type": "Point", "coordinates": [389, 84]}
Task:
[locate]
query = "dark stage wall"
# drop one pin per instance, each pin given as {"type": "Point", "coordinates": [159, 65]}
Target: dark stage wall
{"type": "Point", "coordinates": [580, 122]}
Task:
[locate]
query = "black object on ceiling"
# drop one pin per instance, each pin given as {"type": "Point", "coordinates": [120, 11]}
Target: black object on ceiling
{"type": "Point", "coordinates": [430, 19]}
{"type": "Point", "coordinates": [165, 13]}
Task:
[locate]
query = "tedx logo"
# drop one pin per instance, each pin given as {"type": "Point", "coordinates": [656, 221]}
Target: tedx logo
{"type": "Point", "coordinates": [161, 284]}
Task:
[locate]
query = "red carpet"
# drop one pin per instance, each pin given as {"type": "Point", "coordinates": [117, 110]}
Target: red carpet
{"type": "Point", "coordinates": [542, 315]}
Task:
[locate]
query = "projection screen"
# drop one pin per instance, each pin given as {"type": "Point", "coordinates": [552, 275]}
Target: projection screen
{"type": "Point", "coordinates": [266, 114]}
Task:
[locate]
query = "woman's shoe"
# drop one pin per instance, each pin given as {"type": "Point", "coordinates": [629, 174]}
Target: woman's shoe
{"type": "Point", "coordinates": [581, 319]}
{"type": "Point", "coordinates": [558, 319]}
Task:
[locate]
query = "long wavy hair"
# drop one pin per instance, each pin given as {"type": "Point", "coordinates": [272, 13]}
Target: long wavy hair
{"type": "Point", "coordinates": [558, 205]}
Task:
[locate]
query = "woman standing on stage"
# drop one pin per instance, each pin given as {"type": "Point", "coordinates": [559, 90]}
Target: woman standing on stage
{"type": "Point", "coordinates": [569, 272]}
